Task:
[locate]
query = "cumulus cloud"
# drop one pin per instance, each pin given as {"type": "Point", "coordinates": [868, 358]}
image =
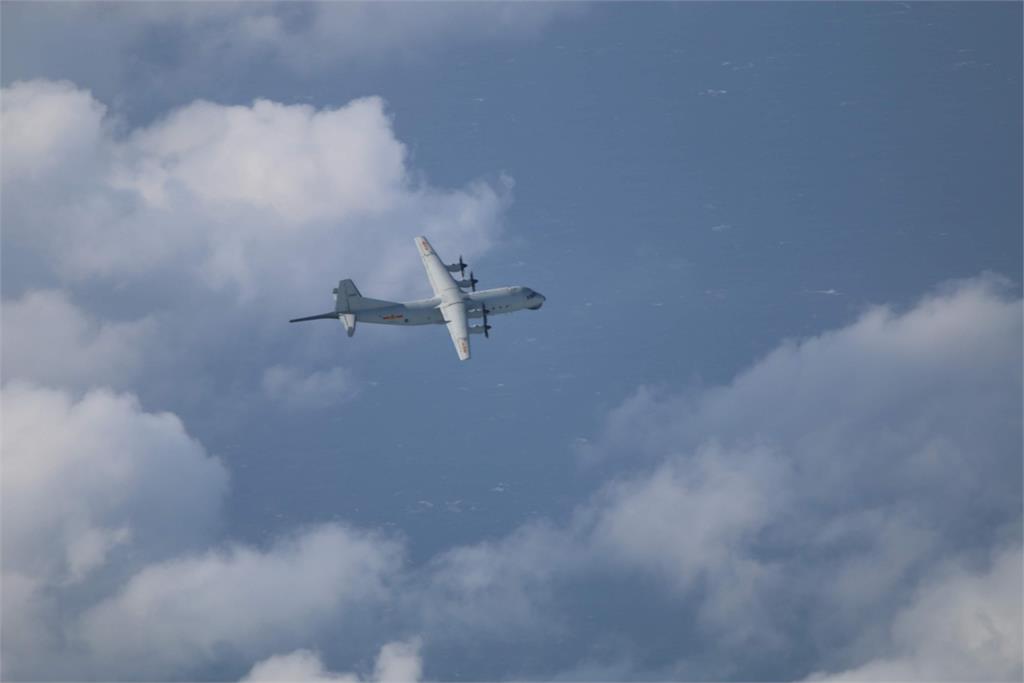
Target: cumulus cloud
{"type": "Point", "coordinates": [49, 340]}
{"type": "Point", "coordinates": [328, 33]}
{"type": "Point", "coordinates": [230, 196]}
{"type": "Point", "coordinates": [690, 515]}
{"type": "Point", "coordinates": [793, 512]}
{"type": "Point", "coordinates": [211, 217]}
{"type": "Point", "coordinates": [492, 588]}
{"type": "Point", "coordinates": [201, 216]}
{"type": "Point", "coordinates": [298, 390]}
{"type": "Point", "coordinates": [238, 601]}
{"type": "Point", "coordinates": [301, 665]}
{"type": "Point", "coordinates": [82, 477]}
{"type": "Point", "coordinates": [839, 469]}
{"type": "Point", "coordinates": [960, 626]}
{"type": "Point", "coordinates": [48, 126]}
{"type": "Point", "coordinates": [202, 42]}
{"type": "Point", "coordinates": [851, 503]}
{"type": "Point", "coordinates": [398, 661]}
{"type": "Point", "coordinates": [92, 489]}
{"type": "Point", "coordinates": [110, 516]}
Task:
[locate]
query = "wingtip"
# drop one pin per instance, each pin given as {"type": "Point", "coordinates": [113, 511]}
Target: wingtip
{"type": "Point", "coordinates": [462, 347]}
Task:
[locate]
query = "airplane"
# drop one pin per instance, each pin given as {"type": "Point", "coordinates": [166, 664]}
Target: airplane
{"type": "Point", "coordinates": [451, 304]}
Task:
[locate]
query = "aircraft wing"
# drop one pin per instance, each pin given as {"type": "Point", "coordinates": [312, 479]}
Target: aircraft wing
{"type": "Point", "coordinates": [455, 318]}
{"type": "Point", "coordinates": [453, 306]}
{"type": "Point", "coordinates": [440, 279]}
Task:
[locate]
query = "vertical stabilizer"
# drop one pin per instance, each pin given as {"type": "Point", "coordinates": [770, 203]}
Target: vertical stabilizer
{"type": "Point", "coordinates": [343, 295]}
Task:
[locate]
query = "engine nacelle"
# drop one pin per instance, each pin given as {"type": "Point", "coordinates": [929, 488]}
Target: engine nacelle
{"type": "Point", "coordinates": [459, 267]}
{"type": "Point", "coordinates": [468, 283]}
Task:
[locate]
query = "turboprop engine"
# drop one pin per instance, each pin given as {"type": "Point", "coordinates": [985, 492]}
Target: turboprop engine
{"type": "Point", "coordinates": [459, 267]}
{"type": "Point", "coordinates": [471, 282]}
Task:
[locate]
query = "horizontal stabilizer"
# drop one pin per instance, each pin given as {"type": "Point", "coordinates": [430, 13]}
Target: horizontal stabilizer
{"type": "Point", "coordinates": [333, 315]}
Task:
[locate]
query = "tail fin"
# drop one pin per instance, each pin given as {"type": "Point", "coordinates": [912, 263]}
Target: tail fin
{"type": "Point", "coordinates": [347, 299]}
{"type": "Point", "coordinates": [343, 293]}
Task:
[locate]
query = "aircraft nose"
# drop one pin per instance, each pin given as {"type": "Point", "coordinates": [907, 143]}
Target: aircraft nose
{"type": "Point", "coordinates": [539, 303]}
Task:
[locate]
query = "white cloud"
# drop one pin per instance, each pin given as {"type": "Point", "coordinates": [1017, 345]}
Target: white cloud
{"type": "Point", "coordinates": [844, 503]}
{"type": "Point", "coordinates": [398, 662]}
{"type": "Point", "coordinates": [295, 161]}
{"type": "Point", "coordinates": [203, 42]}
{"type": "Point", "coordinates": [796, 509]}
{"type": "Point", "coordinates": [692, 523]}
{"type": "Point", "coordinates": [47, 126]}
{"type": "Point", "coordinates": [238, 601]}
{"type": "Point", "coordinates": [108, 516]}
{"type": "Point", "coordinates": [961, 626]}
{"type": "Point", "coordinates": [301, 665]}
{"type": "Point", "coordinates": [84, 477]}
{"type": "Point", "coordinates": [219, 211]}
{"type": "Point", "coordinates": [491, 588]}
{"type": "Point", "coordinates": [298, 390]}
{"type": "Point", "coordinates": [92, 490]}
{"type": "Point", "coordinates": [843, 466]}
{"type": "Point", "coordinates": [212, 217]}
{"type": "Point", "coordinates": [349, 31]}
{"type": "Point", "coordinates": [269, 203]}
{"type": "Point", "coordinates": [49, 340]}
{"type": "Point", "coordinates": [691, 515]}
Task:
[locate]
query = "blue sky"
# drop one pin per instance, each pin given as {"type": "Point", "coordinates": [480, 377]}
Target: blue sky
{"type": "Point", "coordinates": [768, 416]}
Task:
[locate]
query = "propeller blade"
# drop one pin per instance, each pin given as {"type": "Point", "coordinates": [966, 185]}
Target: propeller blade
{"type": "Point", "coordinates": [462, 268]}
{"type": "Point", "coordinates": [487, 328]}
{"type": "Point", "coordinates": [472, 281]}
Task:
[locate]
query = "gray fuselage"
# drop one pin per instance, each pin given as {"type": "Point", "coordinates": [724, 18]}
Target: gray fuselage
{"type": "Point", "coordinates": [427, 311]}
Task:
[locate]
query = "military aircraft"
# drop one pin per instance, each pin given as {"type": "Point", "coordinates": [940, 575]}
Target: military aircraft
{"type": "Point", "coordinates": [451, 304]}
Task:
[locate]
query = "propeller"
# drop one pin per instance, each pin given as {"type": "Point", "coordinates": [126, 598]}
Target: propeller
{"type": "Point", "coordinates": [483, 310]}
{"type": "Point", "coordinates": [472, 280]}
{"type": "Point", "coordinates": [462, 268]}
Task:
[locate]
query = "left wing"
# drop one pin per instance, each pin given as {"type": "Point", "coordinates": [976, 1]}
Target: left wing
{"type": "Point", "coordinates": [440, 279]}
{"type": "Point", "coordinates": [453, 306]}
{"type": "Point", "coordinates": [455, 317]}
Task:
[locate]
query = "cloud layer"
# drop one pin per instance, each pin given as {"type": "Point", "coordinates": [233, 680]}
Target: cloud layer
{"type": "Point", "coordinates": [49, 340]}
{"type": "Point", "coordinates": [93, 489]}
{"type": "Point", "coordinates": [398, 662]}
{"type": "Point", "coordinates": [213, 217]}
{"type": "Point", "coordinates": [198, 47]}
{"type": "Point", "coordinates": [810, 513]}
{"type": "Point", "coordinates": [234, 195]}
{"type": "Point", "coordinates": [849, 505]}
{"type": "Point", "coordinates": [237, 602]}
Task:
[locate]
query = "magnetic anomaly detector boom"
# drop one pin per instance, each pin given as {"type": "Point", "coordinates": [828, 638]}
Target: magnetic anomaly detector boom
{"type": "Point", "coordinates": [451, 303]}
